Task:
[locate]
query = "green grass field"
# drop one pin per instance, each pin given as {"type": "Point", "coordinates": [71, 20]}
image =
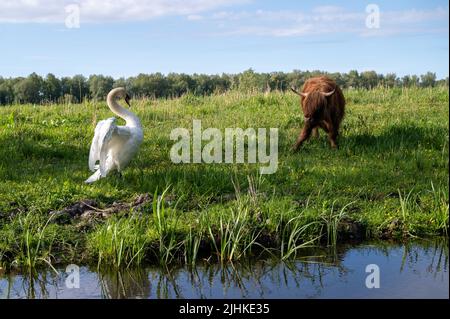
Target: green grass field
{"type": "Point", "coordinates": [389, 177]}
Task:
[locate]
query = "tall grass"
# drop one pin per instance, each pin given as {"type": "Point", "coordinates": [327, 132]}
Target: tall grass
{"type": "Point", "coordinates": [30, 239]}
{"type": "Point", "coordinates": [294, 235]}
{"type": "Point", "coordinates": [166, 230]}
{"type": "Point", "coordinates": [332, 218]}
{"type": "Point", "coordinates": [192, 246]}
{"type": "Point", "coordinates": [120, 242]}
{"type": "Point", "coordinates": [428, 207]}
{"type": "Point", "coordinates": [440, 207]}
{"type": "Point", "coordinates": [233, 237]}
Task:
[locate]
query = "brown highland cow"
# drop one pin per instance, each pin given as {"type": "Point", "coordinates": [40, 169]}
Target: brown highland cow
{"type": "Point", "coordinates": [323, 105]}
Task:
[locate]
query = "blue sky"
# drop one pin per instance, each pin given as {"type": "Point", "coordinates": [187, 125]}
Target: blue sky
{"type": "Point", "coordinates": [128, 37]}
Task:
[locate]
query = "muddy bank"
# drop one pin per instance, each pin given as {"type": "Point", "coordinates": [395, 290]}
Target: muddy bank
{"type": "Point", "coordinates": [87, 212]}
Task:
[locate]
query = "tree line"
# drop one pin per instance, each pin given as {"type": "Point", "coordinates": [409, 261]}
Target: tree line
{"type": "Point", "coordinates": [50, 89]}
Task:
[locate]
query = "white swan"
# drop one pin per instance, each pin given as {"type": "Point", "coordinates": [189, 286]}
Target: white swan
{"type": "Point", "coordinates": [114, 146]}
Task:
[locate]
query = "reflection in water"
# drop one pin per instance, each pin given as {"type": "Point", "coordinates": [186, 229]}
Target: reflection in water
{"type": "Point", "coordinates": [416, 269]}
{"type": "Point", "coordinates": [31, 285]}
{"type": "Point", "coordinates": [123, 284]}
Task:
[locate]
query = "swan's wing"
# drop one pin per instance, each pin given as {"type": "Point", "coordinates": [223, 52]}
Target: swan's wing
{"type": "Point", "coordinates": [122, 132]}
{"type": "Point", "coordinates": [114, 136]}
{"type": "Point", "coordinates": [107, 135]}
{"type": "Point", "coordinates": [103, 132]}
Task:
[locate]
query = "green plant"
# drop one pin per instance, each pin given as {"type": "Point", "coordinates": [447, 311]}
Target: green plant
{"type": "Point", "coordinates": [295, 235]}
{"type": "Point", "coordinates": [192, 245]}
{"type": "Point", "coordinates": [332, 218]}
{"type": "Point", "coordinates": [233, 237]}
{"type": "Point", "coordinates": [120, 242]}
{"type": "Point", "coordinates": [168, 243]}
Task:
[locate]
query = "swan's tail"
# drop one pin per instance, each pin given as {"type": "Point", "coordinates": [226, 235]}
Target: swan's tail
{"type": "Point", "coordinates": [94, 177]}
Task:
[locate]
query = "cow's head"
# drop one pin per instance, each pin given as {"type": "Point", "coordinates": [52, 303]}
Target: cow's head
{"type": "Point", "coordinates": [314, 102]}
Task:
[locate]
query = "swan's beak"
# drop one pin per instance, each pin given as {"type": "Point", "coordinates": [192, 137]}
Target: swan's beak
{"type": "Point", "coordinates": [127, 100]}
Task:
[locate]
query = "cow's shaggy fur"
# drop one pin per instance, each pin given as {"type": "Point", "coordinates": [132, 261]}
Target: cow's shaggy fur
{"type": "Point", "coordinates": [323, 105]}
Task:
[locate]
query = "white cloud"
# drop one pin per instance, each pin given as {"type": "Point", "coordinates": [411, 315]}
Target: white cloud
{"type": "Point", "coordinates": [271, 23]}
{"type": "Point", "coordinates": [327, 9]}
{"type": "Point", "coordinates": [328, 19]}
{"type": "Point", "coordinates": [53, 11]}
{"type": "Point", "coordinates": [414, 16]}
{"type": "Point", "coordinates": [194, 17]}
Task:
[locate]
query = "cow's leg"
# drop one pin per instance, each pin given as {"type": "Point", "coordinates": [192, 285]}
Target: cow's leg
{"type": "Point", "coordinates": [304, 134]}
{"type": "Point", "coordinates": [324, 126]}
{"type": "Point", "coordinates": [315, 132]}
{"type": "Point", "coordinates": [332, 137]}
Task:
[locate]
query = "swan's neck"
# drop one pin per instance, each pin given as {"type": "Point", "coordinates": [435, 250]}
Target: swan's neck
{"type": "Point", "coordinates": [130, 118]}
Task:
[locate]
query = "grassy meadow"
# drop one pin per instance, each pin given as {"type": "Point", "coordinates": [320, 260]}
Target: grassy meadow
{"type": "Point", "coordinates": [388, 179]}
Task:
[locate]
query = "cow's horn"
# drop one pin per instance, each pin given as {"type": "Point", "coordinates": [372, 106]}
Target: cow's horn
{"type": "Point", "coordinates": [303, 94]}
{"type": "Point", "coordinates": [299, 93]}
{"type": "Point", "coordinates": [328, 93]}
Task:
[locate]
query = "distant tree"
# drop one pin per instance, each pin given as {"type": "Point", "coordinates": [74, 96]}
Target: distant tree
{"type": "Point", "coordinates": [390, 80]}
{"type": "Point", "coordinates": [222, 83]}
{"type": "Point", "coordinates": [415, 80]}
{"type": "Point", "coordinates": [318, 73]}
{"type": "Point", "coordinates": [218, 84]}
{"type": "Point", "coordinates": [137, 85]}
{"type": "Point", "coordinates": [406, 81]}
{"type": "Point", "coordinates": [234, 81]}
{"type": "Point", "coordinates": [149, 85]}
{"type": "Point", "coordinates": [29, 89]}
{"type": "Point", "coordinates": [34, 89]}
{"type": "Point", "coordinates": [278, 81]}
{"type": "Point", "coordinates": [428, 79]}
{"type": "Point", "coordinates": [369, 79]}
{"type": "Point", "coordinates": [79, 87]}
{"type": "Point", "coordinates": [339, 78]}
{"type": "Point", "coordinates": [352, 79]}
{"type": "Point", "coordinates": [6, 91]}
{"type": "Point", "coordinates": [410, 81]}
{"type": "Point", "coordinates": [180, 84]}
{"type": "Point", "coordinates": [295, 79]}
{"type": "Point", "coordinates": [99, 86]}
{"type": "Point", "coordinates": [66, 83]}
{"type": "Point", "coordinates": [249, 80]}
{"type": "Point", "coordinates": [203, 84]}
{"type": "Point", "coordinates": [121, 82]}
{"type": "Point", "coordinates": [52, 88]}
